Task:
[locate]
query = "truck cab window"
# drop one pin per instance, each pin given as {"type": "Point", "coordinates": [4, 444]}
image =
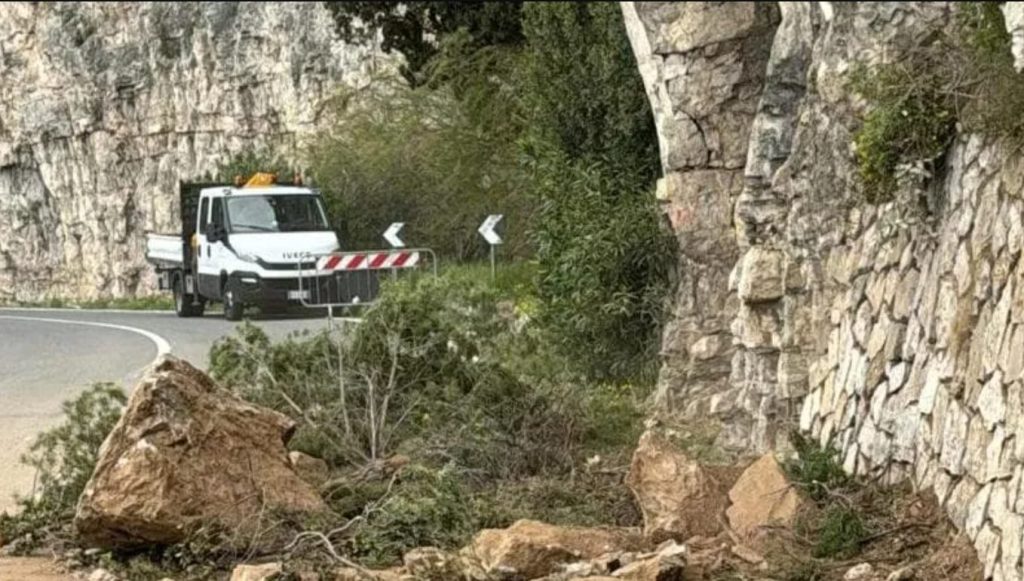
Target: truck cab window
{"type": "Point", "coordinates": [218, 211]}
{"type": "Point", "coordinates": [204, 213]}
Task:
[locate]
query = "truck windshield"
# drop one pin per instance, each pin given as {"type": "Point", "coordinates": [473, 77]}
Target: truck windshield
{"type": "Point", "coordinates": [289, 213]}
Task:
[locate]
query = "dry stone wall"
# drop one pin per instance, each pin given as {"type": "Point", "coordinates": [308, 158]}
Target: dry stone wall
{"type": "Point", "coordinates": [105, 106]}
{"type": "Point", "coordinates": [894, 332]}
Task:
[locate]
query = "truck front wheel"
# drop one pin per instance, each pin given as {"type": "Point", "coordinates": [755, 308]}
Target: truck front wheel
{"type": "Point", "coordinates": [233, 308]}
{"type": "Point", "coordinates": [183, 303]}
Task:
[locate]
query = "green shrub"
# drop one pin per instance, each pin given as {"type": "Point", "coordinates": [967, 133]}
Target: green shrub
{"type": "Point", "coordinates": [842, 533]}
{"type": "Point", "coordinates": [817, 469]}
{"type": "Point", "coordinates": [963, 76]}
{"type": "Point", "coordinates": [467, 385]}
{"type": "Point", "coordinates": [430, 508]}
{"type": "Point", "coordinates": [440, 369]}
{"type": "Point", "coordinates": [912, 120]}
{"type": "Point", "coordinates": [604, 268]}
{"type": "Point", "coordinates": [64, 458]}
{"type": "Point", "coordinates": [589, 498]}
{"type": "Point", "coordinates": [582, 93]}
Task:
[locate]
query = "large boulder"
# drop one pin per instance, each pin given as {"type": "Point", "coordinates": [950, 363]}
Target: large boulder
{"type": "Point", "coordinates": [530, 549]}
{"type": "Point", "coordinates": [679, 498]}
{"type": "Point", "coordinates": [187, 453]}
{"type": "Point", "coordinates": [762, 496]}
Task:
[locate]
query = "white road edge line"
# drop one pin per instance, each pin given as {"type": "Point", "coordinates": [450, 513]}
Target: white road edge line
{"type": "Point", "coordinates": [162, 346]}
{"type": "Point", "coordinates": [77, 310]}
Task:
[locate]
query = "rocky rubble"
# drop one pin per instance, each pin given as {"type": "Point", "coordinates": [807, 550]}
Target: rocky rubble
{"type": "Point", "coordinates": [533, 549]}
{"type": "Point", "coordinates": [188, 454]}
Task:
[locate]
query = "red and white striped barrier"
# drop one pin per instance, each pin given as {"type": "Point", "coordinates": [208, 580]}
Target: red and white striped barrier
{"type": "Point", "coordinates": [369, 260]}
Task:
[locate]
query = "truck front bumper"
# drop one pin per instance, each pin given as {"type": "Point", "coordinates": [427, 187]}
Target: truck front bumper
{"type": "Point", "coordinates": [312, 291]}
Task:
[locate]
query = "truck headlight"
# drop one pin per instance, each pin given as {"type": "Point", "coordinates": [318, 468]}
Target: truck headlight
{"type": "Point", "coordinates": [248, 257]}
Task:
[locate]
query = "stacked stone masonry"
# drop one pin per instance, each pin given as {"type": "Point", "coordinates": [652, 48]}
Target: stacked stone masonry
{"type": "Point", "coordinates": [104, 107]}
{"type": "Point", "coordinates": [893, 332]}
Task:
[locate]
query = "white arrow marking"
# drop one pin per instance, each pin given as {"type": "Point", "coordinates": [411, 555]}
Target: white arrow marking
{"type": "Point", "coordinates": [391, 235]}
{"type": "Point", "coordinates": [487, 229]}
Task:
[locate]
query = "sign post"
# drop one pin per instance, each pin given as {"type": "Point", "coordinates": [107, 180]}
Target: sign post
{"type": "Point", "coordinates": [487, 231]}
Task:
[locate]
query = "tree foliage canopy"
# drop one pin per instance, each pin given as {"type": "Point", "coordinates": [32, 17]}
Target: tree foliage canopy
{"type": "Point", "coordinates": [414, 29]}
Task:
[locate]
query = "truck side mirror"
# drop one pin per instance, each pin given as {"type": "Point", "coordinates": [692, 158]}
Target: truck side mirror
{"type": "Point", "coordinates": [215, 233]}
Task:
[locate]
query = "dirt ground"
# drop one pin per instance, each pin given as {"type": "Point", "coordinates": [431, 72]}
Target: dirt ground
{"type": "Point", "coordinates": [30, 569]}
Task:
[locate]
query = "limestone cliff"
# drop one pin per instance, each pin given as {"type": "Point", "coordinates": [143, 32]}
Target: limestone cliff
{"type": "Point", "coordinates": [104, 107]}
{"type": "Point", "coordinates": [894, 331]}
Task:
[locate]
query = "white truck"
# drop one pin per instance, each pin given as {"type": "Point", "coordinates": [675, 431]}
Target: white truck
{"type": "Point", "coordinates": [241, 245]}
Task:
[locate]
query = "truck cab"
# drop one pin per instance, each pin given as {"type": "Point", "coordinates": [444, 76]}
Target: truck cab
{"type": "Point", "coordinates": [243, 246]}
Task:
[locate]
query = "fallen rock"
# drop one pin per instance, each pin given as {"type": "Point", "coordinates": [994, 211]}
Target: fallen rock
{"type": "Point", "coordinates": [311, 469]}
{"type": "Point", "coordinates": [762, 496]}
{"type": "Point", "coordinates": [678, 497]}
{"type": "Point", "coordinates": [433, 563]}
{"type": "Point", "coordinates": [256, 572]}
{"type": "Point", "coordinates": [656, 568]}
{"type": "Point", "coordinates": [531, 549]}
{"type": "Point", "coordinates": [187, 453]}
{"type": "Point", "coordinates": [747, 554]}
{"type": "Point", "coordinates": [350, 574]}
{"type": "Point", "coordinates": [859, 572]}
{"type": "Point", "coordinates": [102, 575]}
{"type": "Point", "coordinates": [902, 574]}
{"type": "Point", "coordinates": [599, 567]}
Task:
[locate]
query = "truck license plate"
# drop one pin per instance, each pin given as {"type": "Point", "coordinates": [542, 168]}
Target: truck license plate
{"type": "Point", "coordinates": [298, 294]}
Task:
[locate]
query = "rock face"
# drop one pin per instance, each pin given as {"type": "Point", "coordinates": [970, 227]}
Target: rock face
{"type": "Point", "coordinates": [530, 549]}
{"type": "Point", "coordinates": [704, 66]}
{"type": "Point", "coordinates": [187, 453]}
{"type": "Point", "coordinates": [1014, 13]}
{"type": "Point", "coordinates": [105, 107]}
{"type": "Point", "coordinates": [892, 331]}
{"type": "Point", "coordinates": [679, 498]}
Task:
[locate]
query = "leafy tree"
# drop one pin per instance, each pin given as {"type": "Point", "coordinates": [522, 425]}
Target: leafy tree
{"type": "Point", "coordinates": [415, 28]}
{"type": "Point", "coordinates": [604, 268]}
{"type": "Point", "coordinates": [604, 257]}
{"type": "Point", "coordinates": [582, 92]}
{"type": "Point", "coordinates": [419, 156]}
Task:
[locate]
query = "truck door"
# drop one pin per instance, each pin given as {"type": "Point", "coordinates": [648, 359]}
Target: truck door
{"type": "Point", "coordinates": [211, 214]}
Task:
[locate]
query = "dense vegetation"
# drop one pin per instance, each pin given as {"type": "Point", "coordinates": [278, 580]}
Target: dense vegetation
{"type": "Point", "coordinates": [454, 375]}
{"type": "Point", "coordinates": [959, 79]}
{"type": "Point", "coordinates": [536, 112]}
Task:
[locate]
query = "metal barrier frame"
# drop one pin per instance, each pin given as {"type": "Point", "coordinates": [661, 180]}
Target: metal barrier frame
{"type": "Point", "coordinates": [316, 273]}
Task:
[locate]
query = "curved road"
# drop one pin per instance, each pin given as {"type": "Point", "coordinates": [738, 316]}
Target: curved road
{"type": "Point", "coordinates": [50, 355]}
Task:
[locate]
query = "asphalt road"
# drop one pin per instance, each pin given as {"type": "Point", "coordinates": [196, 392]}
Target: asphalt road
{"type": "Point", "coordinates": [48, 356]}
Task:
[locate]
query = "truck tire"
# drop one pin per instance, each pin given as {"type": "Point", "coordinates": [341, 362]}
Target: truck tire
{"type": "Point", "coordinates": [233, 309]}
{"type": "Point", "coordinates": [183, 306]}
